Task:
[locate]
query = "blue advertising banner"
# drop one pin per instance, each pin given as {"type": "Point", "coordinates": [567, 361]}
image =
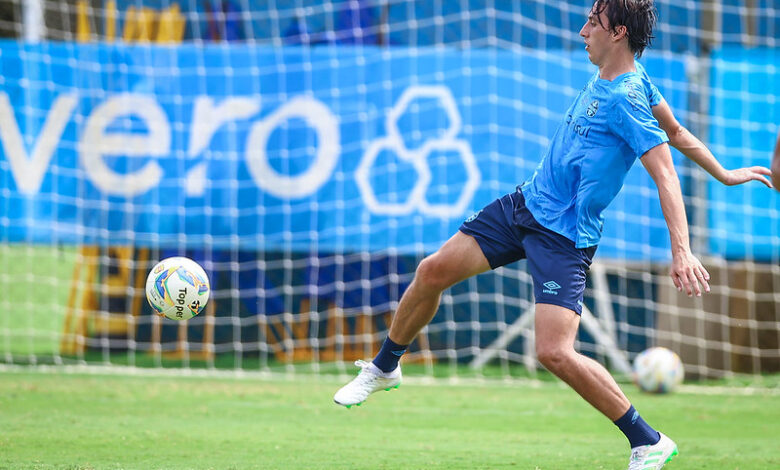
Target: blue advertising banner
{"type": "Point", "coordinates": [744, 221]}
{"type": "Point", "coordinates": [332, 148]}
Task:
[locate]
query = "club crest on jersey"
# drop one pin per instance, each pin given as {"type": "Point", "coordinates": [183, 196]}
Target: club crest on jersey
{"type": "Point", "coordinates": [592, 108]}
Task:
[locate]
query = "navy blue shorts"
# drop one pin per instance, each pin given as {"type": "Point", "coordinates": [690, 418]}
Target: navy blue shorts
{"type": "Point", "coordinates": [506, 232]}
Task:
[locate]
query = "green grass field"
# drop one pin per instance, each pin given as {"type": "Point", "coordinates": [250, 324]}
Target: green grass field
{"type": "Point", "coordinates": [66, 421]}
{"type": "Point", "coordinates": [34, 280]}
{"type": "Point", "coordinates": [57, 420]}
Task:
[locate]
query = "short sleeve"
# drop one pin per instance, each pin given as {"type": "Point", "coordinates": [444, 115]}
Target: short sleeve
{"type": "Point", "coordinates": [633, 119]}
{"type": "Point", "coordinates": [655, 96]}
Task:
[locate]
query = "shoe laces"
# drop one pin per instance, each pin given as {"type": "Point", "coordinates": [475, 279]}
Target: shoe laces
{"type": "Point", "coordinates": [637, 458]}
{"type": "Point", "coordinates": [366, 375]}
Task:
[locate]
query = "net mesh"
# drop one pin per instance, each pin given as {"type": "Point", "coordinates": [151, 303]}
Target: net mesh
{"type": "Point", "coordinates": [310, 153]}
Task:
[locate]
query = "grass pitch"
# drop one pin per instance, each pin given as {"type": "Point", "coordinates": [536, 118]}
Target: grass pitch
{"type": "Point", "coordinates": [68, 421]}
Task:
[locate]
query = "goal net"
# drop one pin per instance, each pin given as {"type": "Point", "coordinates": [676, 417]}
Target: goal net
{"type": "Point", "coordinates": [308, 154]}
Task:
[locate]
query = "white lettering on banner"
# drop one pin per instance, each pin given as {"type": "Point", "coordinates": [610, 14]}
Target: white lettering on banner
{"type": "Point", "coordinates": [325, 125]}
{"type": "Point", "coordinates": [97, 143]}
{"type": "Point", "coordinates": [28, 171]}
{"type": "Point", "coordinates": [207, 119]}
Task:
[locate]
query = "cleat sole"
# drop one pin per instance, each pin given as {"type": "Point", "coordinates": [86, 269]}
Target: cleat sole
{"type": "Point", "coordinates": [350, 406]}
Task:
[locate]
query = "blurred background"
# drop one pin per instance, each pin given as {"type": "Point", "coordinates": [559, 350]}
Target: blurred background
{"type": "Point", "coordinates": [310, 153]}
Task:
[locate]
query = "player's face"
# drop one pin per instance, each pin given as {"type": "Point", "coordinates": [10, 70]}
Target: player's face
{"type": "Point", "coordinates": [597, 37]}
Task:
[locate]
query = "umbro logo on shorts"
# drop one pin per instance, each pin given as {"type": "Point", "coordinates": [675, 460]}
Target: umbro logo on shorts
{"type": "Point", "coordinates": [551, 287]}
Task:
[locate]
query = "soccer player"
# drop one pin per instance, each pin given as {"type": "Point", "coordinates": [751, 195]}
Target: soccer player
{"type": "Point", "coordinates": [554, 220]}
{"type": "Point", "coordinates": [776, 164]}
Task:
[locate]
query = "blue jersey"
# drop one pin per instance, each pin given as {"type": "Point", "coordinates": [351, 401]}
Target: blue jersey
{"type": "Point", "coordinates": [605, 130]}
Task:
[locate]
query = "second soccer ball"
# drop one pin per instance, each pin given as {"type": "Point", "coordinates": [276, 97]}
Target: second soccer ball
{"type": "Point", "coordinates": [658, 370]}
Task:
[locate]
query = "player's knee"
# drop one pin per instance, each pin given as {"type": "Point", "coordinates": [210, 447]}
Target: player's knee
{"type": "Point", "coordinates": [431, 274]}
{"type": "Point", "coordinates": [553, 357]}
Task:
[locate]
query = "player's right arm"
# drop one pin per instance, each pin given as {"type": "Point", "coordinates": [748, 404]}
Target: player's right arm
{"type": "Point", "coordinates": [686, 271]}
{"type": "Point", "coordinates": [693, 148]}
{"type": "Point", "coordinates": [776, 164]}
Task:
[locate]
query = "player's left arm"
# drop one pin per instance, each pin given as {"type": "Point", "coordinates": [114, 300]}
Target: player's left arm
{"type": "Point", "coordinates": [686, 271]}
{"type": "Point", "coordinates": [693, 148]}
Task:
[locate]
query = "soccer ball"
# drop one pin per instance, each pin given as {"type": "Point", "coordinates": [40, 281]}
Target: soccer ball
{"type": "Point", "coordinates": [177, 288]}
{"type": "Point", "coordinates": [658, 370]}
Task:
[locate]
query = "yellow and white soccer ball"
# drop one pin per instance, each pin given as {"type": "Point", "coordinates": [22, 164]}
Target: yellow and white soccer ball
{"type": "Point", "coordinates": [177, 288]}
{"type": "Point", "coordinates": [658, 370]}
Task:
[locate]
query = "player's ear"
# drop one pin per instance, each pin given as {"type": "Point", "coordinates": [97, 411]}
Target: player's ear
{"type": "Point", "coordinates": [619, 32]}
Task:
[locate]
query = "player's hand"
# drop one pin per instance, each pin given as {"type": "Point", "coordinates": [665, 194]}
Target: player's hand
{"type": "Point", "coordinates": [688, 273]}
{"type": "Point", "coordinates": [743, 175]}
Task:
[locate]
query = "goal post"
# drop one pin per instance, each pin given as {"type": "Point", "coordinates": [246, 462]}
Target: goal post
{"type": "Point", "coordinates": [309, 154]}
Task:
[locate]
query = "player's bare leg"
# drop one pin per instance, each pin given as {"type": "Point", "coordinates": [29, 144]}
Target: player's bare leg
{"type": "Point", "coordinates": [458, 259]}
{"type": "Point", "coordinates": [556, 328]}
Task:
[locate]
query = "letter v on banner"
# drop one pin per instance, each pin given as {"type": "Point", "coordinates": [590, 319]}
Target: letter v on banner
{"type": "Point", "coordinates": [28, 171]}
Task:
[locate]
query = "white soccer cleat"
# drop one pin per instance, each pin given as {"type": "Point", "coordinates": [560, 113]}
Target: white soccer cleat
{"type": "Point", "coordinates": [370, 379]}
{"type": "Point", "coordinates": [653, 457]}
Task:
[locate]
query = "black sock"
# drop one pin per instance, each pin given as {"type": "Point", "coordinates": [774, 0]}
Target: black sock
{"type": "Point", "coordinates": [388, 357]}
{"type": "Point", "coordinates": [635, 428]}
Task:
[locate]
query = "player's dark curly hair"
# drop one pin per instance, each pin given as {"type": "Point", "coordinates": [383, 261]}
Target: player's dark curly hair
{"type": "Point", "coordinates": [638, 16]}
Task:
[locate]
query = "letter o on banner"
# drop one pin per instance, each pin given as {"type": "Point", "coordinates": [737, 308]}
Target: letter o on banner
{"type": "Point", "coordinates": [326, 126]}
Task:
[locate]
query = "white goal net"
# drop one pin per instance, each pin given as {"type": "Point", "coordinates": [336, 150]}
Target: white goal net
{"type": "Point", "coordinates": [308, 154]}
